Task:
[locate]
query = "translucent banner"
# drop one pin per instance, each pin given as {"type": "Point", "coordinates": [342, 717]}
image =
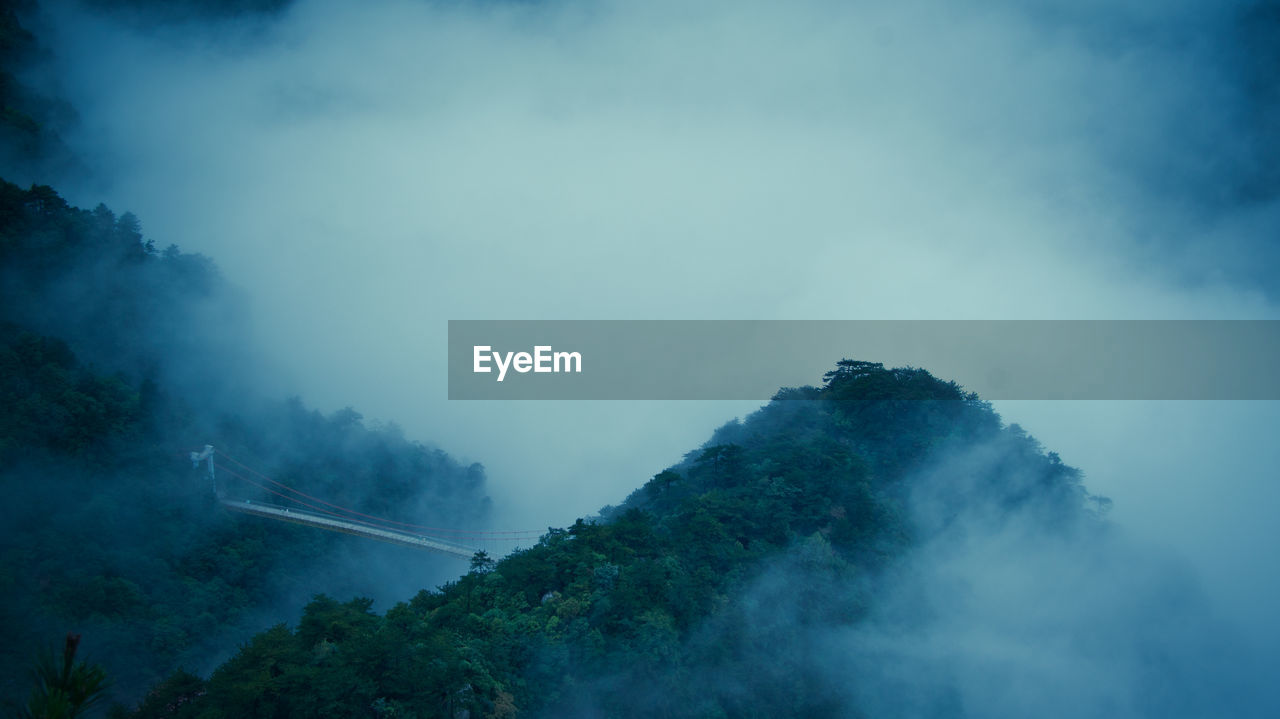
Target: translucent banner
{"type": "Point", "coordinates": [748, 359]}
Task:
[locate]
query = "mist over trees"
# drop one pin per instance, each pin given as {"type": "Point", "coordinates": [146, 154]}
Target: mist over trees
{"type": "Point", "coordinates": [117, 356]}
{"type": "Point", "coordinates": [116, 359]}
{"type": "Point", "coordinates": [711, 591]}
{"type": "Point", "coordinates": [881, 544]}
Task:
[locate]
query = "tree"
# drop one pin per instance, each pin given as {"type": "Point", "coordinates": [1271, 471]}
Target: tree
{"type": "Point", "coordinates": [170, 697]}
{"type": "Point", "coordinates": [64, 689]}
{"type": "Point", "coordinates": [847, 369]}
{"type": "Point", "coordinates": [666, 477]}
{"type": "Point", "coordinates": [482, 563]}
{"type": "Point", "coordinates": [725, 461]}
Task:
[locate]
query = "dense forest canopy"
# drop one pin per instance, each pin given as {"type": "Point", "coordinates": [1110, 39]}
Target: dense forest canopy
{"type": "Point", "coordinates": [116, 359]}
{"type": "Point", "coordinates": [650, 594]}
{"type": "Point", "coordinates": [879, 544]}
{"type": "Point", "coordinates": [711, 590]}
{"type": "Point", "coordinates": [654, 607]}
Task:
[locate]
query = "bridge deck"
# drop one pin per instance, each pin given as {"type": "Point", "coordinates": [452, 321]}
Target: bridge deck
{"type": "Point", "coordinates": [319, 520]}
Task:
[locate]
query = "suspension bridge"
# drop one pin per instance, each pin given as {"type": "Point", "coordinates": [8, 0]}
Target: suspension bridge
{"type": "Point", "coordinates": [293, 505]}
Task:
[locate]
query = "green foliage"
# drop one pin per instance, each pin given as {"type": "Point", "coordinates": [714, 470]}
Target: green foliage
{"type": "Point", "coordinates": [54, 404]}
{"type": "Point", "coordinates": [659, 607]}
{"type": "Point", "coordinates": [188, 578]}
{"type": "Point", "coordinates": [172, 697]}
{"type": "Point", "coordinates": [29, 117]}
{"type": "Point", "coordinates": [64, 688]}
{"type": "Point", "coordinates": [107, 527]}
{"type": "Point", "coordinates": [665, 605]}
{"type": "Point", "coordinates": [87, 277]}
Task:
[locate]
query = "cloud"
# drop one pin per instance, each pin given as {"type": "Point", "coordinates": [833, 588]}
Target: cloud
{"type": "Point", "coordinates": [996, 616]}
{"type": "Point", "coordinates": [369, 172]}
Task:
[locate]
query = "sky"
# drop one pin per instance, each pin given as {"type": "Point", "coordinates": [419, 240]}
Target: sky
{"type": "Point", "coordinates": [367, 173]}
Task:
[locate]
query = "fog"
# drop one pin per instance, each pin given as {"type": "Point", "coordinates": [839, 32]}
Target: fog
{"type": "Point", "coordinates": [1009, 603]}
{"type": "Point", "coordinates": [368, 173]}
{"type": "Point", "coordinates": [1195, 478]}
{"type": "Point", "coordinates": [995, 616]}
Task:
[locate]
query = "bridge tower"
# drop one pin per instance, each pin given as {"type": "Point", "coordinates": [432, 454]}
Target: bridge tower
{"type": "Point", "coordinates": [203, 455]}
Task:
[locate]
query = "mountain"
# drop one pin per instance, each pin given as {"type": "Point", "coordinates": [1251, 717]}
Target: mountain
{"type": "Point", "coordinates": [705, 593]}
{"type": "Point", "coordinates": [881, 544]}
{"type": "Point", "coordinates": [116, 360]}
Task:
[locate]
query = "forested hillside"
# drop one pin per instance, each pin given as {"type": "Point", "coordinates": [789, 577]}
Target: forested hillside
{"type": "Point", "coordinates": [116, 359]}
{"type": "Point", "coordinates": [31, 147]}
{"type": "Point", "coordinates": [698, 595]}
{"type": "Point", "coordinates": [706, 593]}
{"type": "Point", "coordinates": [880, 544]}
